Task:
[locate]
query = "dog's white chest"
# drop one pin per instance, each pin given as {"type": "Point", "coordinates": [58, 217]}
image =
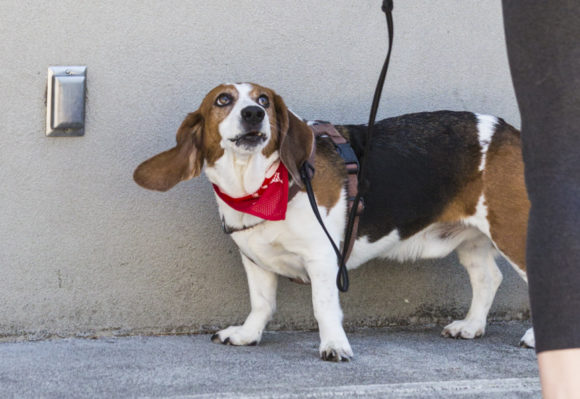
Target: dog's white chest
{"type": "Point", "coordinates": [267, 248]}
{"type": "Point", "coordinates": [270, 245]}
{"type": "Point", "coordinates": [290, 247]}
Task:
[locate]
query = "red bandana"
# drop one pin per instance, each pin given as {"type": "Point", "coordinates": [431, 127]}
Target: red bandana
{"type": "Point", "coordinates": [269, 202]}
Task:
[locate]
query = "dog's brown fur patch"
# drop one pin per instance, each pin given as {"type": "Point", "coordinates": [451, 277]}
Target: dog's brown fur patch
{"type": "Point", "coordinates": [465, 202]}
{"type": "Point", "coordinates": [330, 175]}
{"type": "Point", "coordinates": [211, 150]}
{"type": "Point", "coordinates": [506, 195]}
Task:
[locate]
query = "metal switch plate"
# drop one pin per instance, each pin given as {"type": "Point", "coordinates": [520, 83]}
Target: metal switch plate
{"type": "Point", "coordinates": [65, 111]}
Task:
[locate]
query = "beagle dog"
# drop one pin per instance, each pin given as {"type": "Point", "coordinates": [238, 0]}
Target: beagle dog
{"type": "Point", "coordinates": [438, 182]}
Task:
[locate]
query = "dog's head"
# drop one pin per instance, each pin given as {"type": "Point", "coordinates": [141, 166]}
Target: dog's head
{"type": "Point", "coordinates": [243, 118]}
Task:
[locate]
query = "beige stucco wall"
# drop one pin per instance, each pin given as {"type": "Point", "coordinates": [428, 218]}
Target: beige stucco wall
{"type": "Point", "coordinates": [83, 250]}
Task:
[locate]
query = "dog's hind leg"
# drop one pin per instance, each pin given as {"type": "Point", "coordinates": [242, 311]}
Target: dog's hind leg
{"type": "Point", "coordinates": [477, 256]}
{"type": "Point", "coordinates": [507, 200]}
{"type": "Point", "coordinates": [529, 339]}
{"type": "Point", "coordinates": [263, 285]}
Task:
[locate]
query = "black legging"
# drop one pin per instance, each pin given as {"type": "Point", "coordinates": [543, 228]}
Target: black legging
{"type": "Point", "coordinates": [544, 52]}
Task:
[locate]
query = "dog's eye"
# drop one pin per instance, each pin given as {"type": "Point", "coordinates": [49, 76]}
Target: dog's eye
{"type": "Point", "coordinates": [264, 101]}
{"type": "Point", "coordinates": [223, 100]}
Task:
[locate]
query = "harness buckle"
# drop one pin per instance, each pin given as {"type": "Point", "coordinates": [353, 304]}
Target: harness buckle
{"type": "Point", "coordinates": [347, 154]}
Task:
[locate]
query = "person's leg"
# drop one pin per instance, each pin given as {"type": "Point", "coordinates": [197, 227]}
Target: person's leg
{"type": "Point", "coordinates": [559, 371]}
{"type": "Point", "coordinates": [543, 45]}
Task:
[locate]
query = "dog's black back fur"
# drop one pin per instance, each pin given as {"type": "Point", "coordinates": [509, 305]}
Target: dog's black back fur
{"type": "Point", "coordinates": [417, 165]}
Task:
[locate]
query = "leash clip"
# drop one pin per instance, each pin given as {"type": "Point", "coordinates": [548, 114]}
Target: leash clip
{"type": "Point", "coordinates": [387, 6]}
{"type": "Point", "coordinates": [307, 171]}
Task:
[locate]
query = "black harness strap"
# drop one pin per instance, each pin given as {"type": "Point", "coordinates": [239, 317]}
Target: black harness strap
{"type": "Point", "coordinates": [307, 169]}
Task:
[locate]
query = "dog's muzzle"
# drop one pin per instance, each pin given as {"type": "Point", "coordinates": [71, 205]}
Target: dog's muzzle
{"type": "Point", "coordinates": [252, 121]}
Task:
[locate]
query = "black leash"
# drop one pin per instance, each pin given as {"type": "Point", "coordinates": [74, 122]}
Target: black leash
{"type": "Point", "coordinates": [307, 170]}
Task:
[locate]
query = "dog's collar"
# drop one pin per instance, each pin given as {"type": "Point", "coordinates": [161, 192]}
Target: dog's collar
{"type": "Point", "coordinates": [230, 230]}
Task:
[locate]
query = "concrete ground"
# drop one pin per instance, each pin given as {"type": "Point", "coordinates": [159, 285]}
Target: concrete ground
{"type": "Point", "coordinates": [402, 362]}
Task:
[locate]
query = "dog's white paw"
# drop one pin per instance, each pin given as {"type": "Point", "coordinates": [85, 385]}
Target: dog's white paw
{"type": "Point", "coordinates": [466, 329]}
{"type": "Point", "coordinates": [528, 340]}
{"type": "Point", "coordinates": [237, 335]}
{"type": "Point", "coordinates": [336, 351]}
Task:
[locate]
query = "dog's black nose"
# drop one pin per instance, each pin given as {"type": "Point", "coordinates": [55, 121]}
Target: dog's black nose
{"type": "Point", "coordinates": [253, 114]}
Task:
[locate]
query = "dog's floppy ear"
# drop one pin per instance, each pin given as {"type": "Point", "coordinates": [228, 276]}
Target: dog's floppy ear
{"type": "Point", "coordinates": [296, 140]}
{"type": "Point", "coordinates": [182, 162]}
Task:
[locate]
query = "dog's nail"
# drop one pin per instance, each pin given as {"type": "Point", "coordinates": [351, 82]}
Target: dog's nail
{"type": "Point", "coordinates": [226, 341]}
{"type": "Point", "coordinates": [331, 356]}
{"type": "Point", "coordinates": [215, 338]}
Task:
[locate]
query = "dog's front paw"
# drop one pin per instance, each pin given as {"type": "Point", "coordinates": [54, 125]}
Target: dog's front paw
{"type": "Point", "coordinates": [237, 335]}
{"type": "Point", "coordinates": [336, 351]}
{"type": "Point", "coordinates": [466, 329]}
{"type": "Point", "coordinates": [529, 339]}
